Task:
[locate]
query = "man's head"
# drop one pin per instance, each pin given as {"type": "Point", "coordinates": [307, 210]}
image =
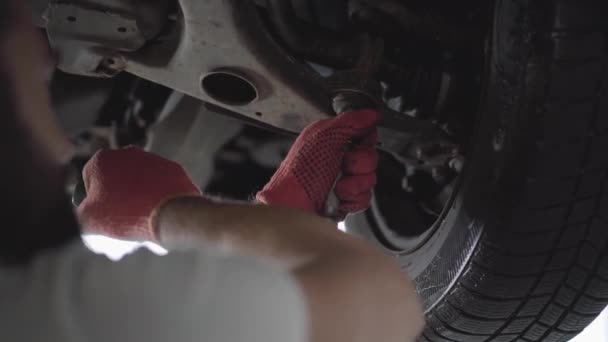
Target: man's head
{"type": "Point", "coordinates": [34, 212]}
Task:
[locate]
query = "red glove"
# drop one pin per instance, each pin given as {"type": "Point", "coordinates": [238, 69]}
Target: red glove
{"type": "Point", "coordinates": [342, 146]}
{"type": "Point", "coordinates": [124, 190]}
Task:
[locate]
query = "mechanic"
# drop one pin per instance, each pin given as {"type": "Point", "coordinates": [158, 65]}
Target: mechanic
{"type": "Point", "coordinates": [272, 271]}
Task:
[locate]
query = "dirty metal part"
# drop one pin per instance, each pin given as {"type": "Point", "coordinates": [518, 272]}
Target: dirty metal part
{"type": "Point", "coordinates": [355, 81]}
{"type": "Point", "coordinates": [229, 36]}
{"type": "Point", "coordinates": [192, 135]}
{"type": "Point", "coordinates": [358, 89]}
{"type": "Point", "coordinates": [88, 36]}
{"type": "Point", "coordinates": [398, 133]}
{"type": "Point", "coordinates": [350, 101]}
{"type": "Point", "coordinates": [220, 52]}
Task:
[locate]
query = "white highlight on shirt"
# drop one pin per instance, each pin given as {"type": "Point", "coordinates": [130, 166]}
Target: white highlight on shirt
{"type": "Point", "coordinates": [118, 249]}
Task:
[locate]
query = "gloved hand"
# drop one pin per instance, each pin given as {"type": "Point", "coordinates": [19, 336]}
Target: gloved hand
{"type": "Point", "coordinates": [342, 146]}
{"type": "Point", "coordinates": [124, 190]}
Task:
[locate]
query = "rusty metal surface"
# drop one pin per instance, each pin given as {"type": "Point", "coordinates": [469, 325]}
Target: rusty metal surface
{"type": "Point", "coordinates": [87, 36]}
{"type": "Point", "coordinates": [229, 35]}
{"type": "Point", "coordinates": [216, 40]}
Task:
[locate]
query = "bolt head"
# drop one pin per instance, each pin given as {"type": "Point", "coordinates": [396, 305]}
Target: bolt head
{"type": "Point", "coordinates": [499, 140]}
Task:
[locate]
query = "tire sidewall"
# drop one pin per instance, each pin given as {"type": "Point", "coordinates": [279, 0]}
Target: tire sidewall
{"type": "Point", "coordinates": [493, 177]}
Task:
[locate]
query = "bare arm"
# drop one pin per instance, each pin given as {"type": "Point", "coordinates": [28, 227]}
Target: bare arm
{"type": "Point", "coordinates": [354, 291]}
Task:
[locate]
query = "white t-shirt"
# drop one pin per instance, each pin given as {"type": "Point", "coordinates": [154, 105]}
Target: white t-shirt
{"type": "Point", "coordinates": [74, 295]}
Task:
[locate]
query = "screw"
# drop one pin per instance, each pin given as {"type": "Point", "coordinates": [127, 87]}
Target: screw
{"type": "Point", "coordinates": [498, 143]}
{"type": "Point", "coordinates": [456, 164]}
{"type": "Point", "coordinates": [419, 153]}
{"type": "Point", "coordinates": [111, 66]}
{"type": "Point", "coordinates": [405, 185]}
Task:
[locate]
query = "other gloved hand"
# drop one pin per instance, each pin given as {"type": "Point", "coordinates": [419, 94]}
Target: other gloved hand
{"type": "Point", "coordinates": [342, 146]}
{"type": "Point", "coordinates": [124, 190]}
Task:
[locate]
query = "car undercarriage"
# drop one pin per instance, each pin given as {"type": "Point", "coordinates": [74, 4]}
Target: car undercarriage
{"type": "Point", "coordinates": [470, 165]}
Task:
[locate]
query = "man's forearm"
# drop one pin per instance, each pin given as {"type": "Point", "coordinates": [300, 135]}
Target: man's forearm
{"type": "Point", "coordinates": [259, 230]}
{"type": "Point", "coordinates": [354, 291]}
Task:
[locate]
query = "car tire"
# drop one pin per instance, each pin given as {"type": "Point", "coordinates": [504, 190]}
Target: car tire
{"type": "Point", "coordinates": [522, 252]}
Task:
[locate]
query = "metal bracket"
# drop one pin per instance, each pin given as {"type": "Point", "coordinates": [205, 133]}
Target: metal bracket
{"type": "Point", "coordinates": [88, 36]}
{"type": "Point", "coordinates": [228, 36]}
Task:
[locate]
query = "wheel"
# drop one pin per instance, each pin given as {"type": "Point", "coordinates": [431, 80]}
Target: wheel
{"type": "Point", "coordinates": [520, 253]}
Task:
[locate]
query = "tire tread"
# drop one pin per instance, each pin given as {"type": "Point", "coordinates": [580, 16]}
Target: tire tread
{"type": "Point", "coordinates": [561, 225]}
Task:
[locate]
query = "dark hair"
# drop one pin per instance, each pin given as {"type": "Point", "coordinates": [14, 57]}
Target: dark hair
{"type": "Point", "coordinates": [35, 213]}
